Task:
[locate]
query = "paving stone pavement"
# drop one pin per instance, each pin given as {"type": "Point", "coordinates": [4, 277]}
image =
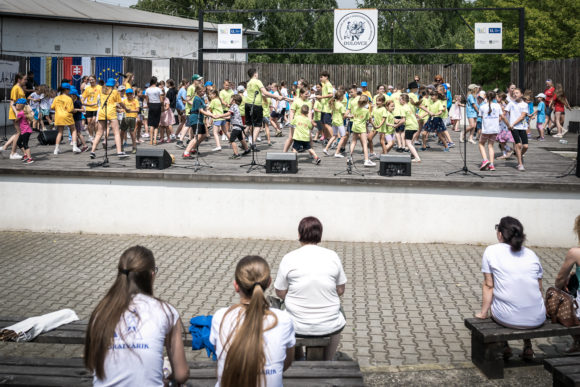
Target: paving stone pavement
{"type": "Point", "coordinates": [404, 303]}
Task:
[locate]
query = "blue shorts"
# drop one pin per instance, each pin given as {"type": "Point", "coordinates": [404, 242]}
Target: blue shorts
{"type": "Point", "coordinates": [326, 118]}
{"type": "Point", "coordinates": [219, 123]}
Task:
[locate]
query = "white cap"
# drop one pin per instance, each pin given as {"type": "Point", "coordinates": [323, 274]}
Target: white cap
{"type": "Point", "coordinates": [390, 87]}
{"type": "Point", "coordinates": [121, 88]}
{"type": "Point", "coordinates": [481, 94]}
{"type": "Point", "coordinates": [241, 88]}
{"type": "Point", "coordinates": [541, 95]}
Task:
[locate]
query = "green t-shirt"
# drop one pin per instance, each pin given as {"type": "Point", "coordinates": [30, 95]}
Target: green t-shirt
{"type": "Point", "coordinates": [226, 96]}
{"type": "Point", "coordinates": [338, 114]}
{"type": "Point", "coordinates": [360, 119]}
{"type": "Point", "coordinates": [253, 86]}
{"type": "Point", "coordinates": [190, 96]}
{"type": "Point", "coordinates": [410, 118]}
{"type": "Point", "coordinates": [436, 107]}
{"type": "Point", "coordinates": [378, 115]}
{"type": "Point", "coordinates": [216, 107]}
{"type": "Point", "coordinates": [302, 128]}
{"type": "Point", "coordinates": [426, 103]}
{"type": "Point", "coordinates": [326, 90]}
{"type": "Point", "coordinates": [395, 97]}
{"type": "Point", "coordinates": [390, 120]}
{"type": "Point", "coordinates": [296, 105]}
{"type": "Point", "coordinates": [317, 106]}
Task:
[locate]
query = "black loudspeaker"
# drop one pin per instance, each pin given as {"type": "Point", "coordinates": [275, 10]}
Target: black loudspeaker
{"type": "Point", "coordinates": [47, 137]}
{"type": "Point", "coordinates": [574, 127]}
{"type": "Point", "coordinates": [395, 165]}
{"type": "Point", "coordinates": [281, 163]}
{"type": "Point", "coordinates": [153, 159]}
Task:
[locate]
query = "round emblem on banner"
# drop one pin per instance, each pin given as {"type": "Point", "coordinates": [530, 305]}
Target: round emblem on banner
{"type": "Point", "coordinates": [355, 31]}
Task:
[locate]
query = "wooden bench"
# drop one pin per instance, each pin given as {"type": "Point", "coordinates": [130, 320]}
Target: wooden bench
{"type": "Point", "coordinates": [71, 372]}
{"type": "Point", "coordinates": [487, 338]}
{"type": "Point", "coordinates": [565, 370]}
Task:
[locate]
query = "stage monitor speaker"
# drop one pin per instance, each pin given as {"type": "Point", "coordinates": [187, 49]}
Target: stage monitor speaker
{"type": "Point", "coordinates": [47, 137]}
{"type": "Point", "coordinates": [152, 159]}
{"type": "Point", "coordinates": [281, 163]}
{"type": "Point", "coordinates": [395, 165]}
{"type": "Point", "coordinates": [574, 127]}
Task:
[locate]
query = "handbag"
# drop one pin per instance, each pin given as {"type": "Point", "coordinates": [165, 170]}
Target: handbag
{"type": "Point", "coordinates": [561, 307]}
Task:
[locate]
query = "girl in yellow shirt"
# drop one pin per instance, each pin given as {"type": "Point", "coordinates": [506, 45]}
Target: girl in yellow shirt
{"type": "Point", "coordinates": [90, 98]}
{"type": "Point", "coordinates": [63, 113]}
{"type": "Point", "coordinates": [110, 99]}
{"type": "Point", "coordinates": [297, 102]}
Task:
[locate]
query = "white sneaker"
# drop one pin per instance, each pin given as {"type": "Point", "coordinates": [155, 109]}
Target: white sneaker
{"type": "Point", "coordinates": [56, 151]}
{"type": "Point", "coordinates": [369, 163]}
{"type": "Point", "coordinates": [259, 139]}
{"type": "Point", "coordinates": [338, 155]}
{"type": "Point", "coordinates": [15, 156]}
{"type": "Point", "coordinates": [224, 137]}
{"type": "Point", "coordinates": [325, 152]}
{"type": "Point", "coordinates": [216, 149]}
{"type": "Point", "coordinates": [76, 149]}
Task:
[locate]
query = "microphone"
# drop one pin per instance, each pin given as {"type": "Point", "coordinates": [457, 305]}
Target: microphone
{"type": "Point", "coordinates": [257, 92]}
{"type": "Point", "coordinates": [448, 65]}
{"type": "Point", "coordinates": [121, 74]}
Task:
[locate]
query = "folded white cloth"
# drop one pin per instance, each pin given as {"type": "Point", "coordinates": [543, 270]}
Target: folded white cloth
{"type": "Point", "coordinates": [31, 327]}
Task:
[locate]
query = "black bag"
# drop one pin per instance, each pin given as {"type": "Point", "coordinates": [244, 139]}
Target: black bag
{"type": "Point", "coordinates": [47, 137]}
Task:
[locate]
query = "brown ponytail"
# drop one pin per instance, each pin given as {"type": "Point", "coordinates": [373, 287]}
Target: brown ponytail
{"type": "Point", "coordinates": [134, 275]}
{"type": "Point", "coordinates": [245, 359]}
{"type": "Point", "coordinates": [490, 96]}
{"type": "Point", "coordinates": [337, 97]}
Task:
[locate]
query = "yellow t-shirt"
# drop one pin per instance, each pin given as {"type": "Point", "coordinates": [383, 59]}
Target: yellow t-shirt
{"type": "Point", "coordinates": [131, 105]}
{"type": "Point", "coordinates": [302, 128]}
{"type": "Point", "coordinates": [436, 107]}
{"type": "Point", "coordinates": [317, 106]}
{"type": "Point", "coordinates": [226, 96]}
{"type": "Point", "coordinates": [338, 114]}
{"type": "Point", "coordinates": [91, 97]}
{"type": "Point", "coordinates": [215, 106]}
{"type": "Point", "coordinates": [408, 111]}
{"type": "Point", "coordinates": [326, 90]}
{"type": "Point", "coordinates": [390, 120]}
{"type": "Point", "coordinates": [396, 98]}
{"type": "Point", "coordinates": [15, 94]}
{"type": "Point", "coordinates": [426, 103]}
{"type": "Point", "coordinates": [378, 115]}
{"type": "Point", "coordinates": [296, 106]}
{"type": "Point", "coordinates": [253, 86]}
{"type": "Point", "coordinates": [111, 108]}
{"type": "Point", "coordinates": [128, 86]}
{"type": "Point", "coordinates": [63, 107]}
{"type": "Point", "coordinates": [361, 116]}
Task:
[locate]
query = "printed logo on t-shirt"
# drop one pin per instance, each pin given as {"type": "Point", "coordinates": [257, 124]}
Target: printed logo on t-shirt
{"type": "Point", "coordinates": [130, 337]}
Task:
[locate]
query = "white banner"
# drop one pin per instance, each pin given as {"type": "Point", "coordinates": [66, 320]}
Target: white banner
{"type": "Point", "coordinates": [8, 70]}
{"type": "Point", "coordinates": [355, 31]}
{"type": "Point", "coordinates": [230, 36]}
{"type": "Point", "coordinates": [488, 36]}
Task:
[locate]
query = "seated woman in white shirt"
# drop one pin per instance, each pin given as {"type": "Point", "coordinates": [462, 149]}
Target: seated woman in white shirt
{"type": "Point", "coordinates": [311, 280]}
{"type": "Point", "coordinates": [129, 329]}
{"type": "Point", "coordinates": [254, 344]}
{"type": "Point", "coordinates": [512, 286]}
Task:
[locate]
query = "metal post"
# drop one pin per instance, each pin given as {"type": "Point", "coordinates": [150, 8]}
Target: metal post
{"type": "Point", "coordinates": [392, 40]}
{"type": "Point", "coordinates": [200, 43]}
{"type": "Point", "coordinates": [522, 54]}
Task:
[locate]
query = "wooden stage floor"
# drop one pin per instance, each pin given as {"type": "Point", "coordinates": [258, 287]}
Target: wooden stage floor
{"type": "Point", "coordinates": [545, 162]}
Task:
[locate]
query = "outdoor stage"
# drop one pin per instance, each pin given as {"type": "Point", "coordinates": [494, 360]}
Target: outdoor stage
{"type": "Point", "coordinates": [63, 194]}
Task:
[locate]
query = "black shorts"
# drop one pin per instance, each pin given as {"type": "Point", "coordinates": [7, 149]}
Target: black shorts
{"type": "Point", "coordinates": [349, 126]}
{"type": "Point", "coordinates": [154, 114]}
{"type": "Point", "coordinates": [326, 118]}
{"type": "Point", "coordinates": [409, 134]}
{"type": "Point", "coordinates": [301, 145]}
{"type": "Point", "coordinates": [236, 134]}
{"type": "Point", "coordinates": [400, 129]}
{"type": "Point", "coordinates": [256, 118]}
{"type": "Point", "coordinates": [275, 114]}
{"type": "Point", "coordinates": [520, 136]}
{"type": "Point", "coordinates": [91, 114]}
{"type": "Point", "coordinates": [199, 128]}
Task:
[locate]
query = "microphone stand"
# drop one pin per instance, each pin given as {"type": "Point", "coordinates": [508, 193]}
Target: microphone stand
{"type": "Point", "coordinates": [105, 162]}
{"type": "Point", "coordinates": [350, 165]}
{"type": "Point", "coordinates": [253, 164]}
{"type": "Point", "coordinates": [465, 171]}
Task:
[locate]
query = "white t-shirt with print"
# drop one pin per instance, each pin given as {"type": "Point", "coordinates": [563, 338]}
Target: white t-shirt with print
{"type": "Point", "coordinates": [517, 299]}
{"type": "Point", "coordinates": [137, 360]}
{"type": "Point", "coordinates": [311, 274]}
{"type": "Point", "coordinates": [490, 120]}
{"type": "Point", "coordinates": [276, 341]}
{"type": "Point", "coordinates": [516, 109]}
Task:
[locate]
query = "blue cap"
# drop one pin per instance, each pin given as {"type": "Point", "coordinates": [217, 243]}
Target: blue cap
{"type": "Point", "coordinates": [21, 101]}
{"type": "Point", "coordinates": [73, 89]}
{"type": "Point", "coordinates": [111, 82]}
{"type": "Point", "coordinates": [144, 92]}
{"type": "Point", "coordinates": [129, 91]}
{"type": "Point", "coordinates": [209, 83]}
{"type": "Point", "coordinates": [363, 84]}
{"type": "Point", "coordinates": [65, 86]}
{"type": "Point", "coordinates": [295, 83]}
{"type": "Point", "coordinates": [74, 92]}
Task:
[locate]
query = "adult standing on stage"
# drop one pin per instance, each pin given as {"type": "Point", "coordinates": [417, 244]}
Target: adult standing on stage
{"type": "Point", "coordinates": [154, 95]}
{"type": "Point", "coordinates": [16, 93]}
{"type": "Point", "coordinates": [254, 112]}
{"type": "Point", "coordinates": [324, 98]}
{"type": "Point", "coordinates": [549, 92]}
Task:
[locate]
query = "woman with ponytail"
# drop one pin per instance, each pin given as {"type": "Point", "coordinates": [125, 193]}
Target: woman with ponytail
{"type": "Point", "coordinates": [512, 285]}
{"type": "Point", "coordinates": [491, 113]}
{"type": "Point", "coordinates": [129, 329]}
{"type": "Point", "coordinates": [254, 344]}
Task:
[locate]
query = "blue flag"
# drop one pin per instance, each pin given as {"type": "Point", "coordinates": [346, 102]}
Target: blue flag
{"type": "Point", "coordinates": [108, 67]}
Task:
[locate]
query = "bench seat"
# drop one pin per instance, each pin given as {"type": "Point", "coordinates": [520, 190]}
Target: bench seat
{"type": "Point", "coordinates": [565, 371]}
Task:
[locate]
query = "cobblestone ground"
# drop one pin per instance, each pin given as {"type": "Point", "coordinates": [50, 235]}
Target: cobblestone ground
{"type": "Point", "coordinates": [405, 303]}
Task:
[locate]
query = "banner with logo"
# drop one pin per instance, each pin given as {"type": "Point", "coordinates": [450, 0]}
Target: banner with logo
{"type": "Point", "coordinates": [8, 71]}
{"type": "Point", "coordinates": [488, 36]}
{"type": "Point", "coordinates": [230, 36]}
{"type": "Point", "coordinates": [355, 31]}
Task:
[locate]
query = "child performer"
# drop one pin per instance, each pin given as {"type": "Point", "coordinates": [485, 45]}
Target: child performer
{"type": "Point", "coordinates": [236, 126]}
{"type": "Point", "coordinates": [78, 118]}
{"type": "Point", "coordinates": [360, 116]}
{"type": "Point", "coordinates": [518, 110]}
{"type": "Point", "coordinates": [303, 125]}
{"type": "Point", "coordinates": [540, 114]}
{"type": "Point", "coordinates": [379, 122]}
{"type": "Point", "coordinates": [504, 135]}
{"type": "Point", "coordinates": [490, 113]}
{"type": "Point", "coordinates": [216, 108]}
{"type": "Point", "coordinates": [129, 121]}
{"type": "Point", "coordinates": [338, 111]}
{"type": "Point", "coordinates": [63, 114]}
{"type": "Point", "coordinates": [24, 116]}
{"type": "Point", "coordinates": [435, 123]}
{"type": "Point", "coordinates": [411, 125]}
